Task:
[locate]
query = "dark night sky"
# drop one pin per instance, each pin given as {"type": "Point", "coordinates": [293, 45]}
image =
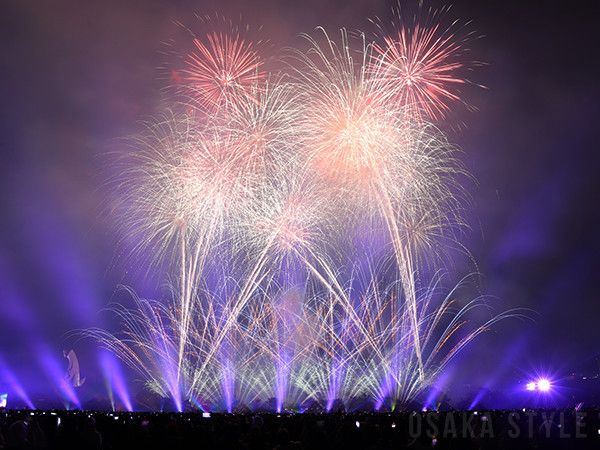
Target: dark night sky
{"type": "Point", "coordinates": [77, 76]}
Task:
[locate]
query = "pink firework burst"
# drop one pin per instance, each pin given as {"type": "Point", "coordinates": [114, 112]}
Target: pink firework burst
{"type": "Point", "coordinates": [422, 66]}
{"type": "Point", "coordinates": [221, 68]}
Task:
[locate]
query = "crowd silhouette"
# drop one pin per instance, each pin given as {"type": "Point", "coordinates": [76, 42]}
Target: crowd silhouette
{"type": "Point", "coordinates": [523, 429]}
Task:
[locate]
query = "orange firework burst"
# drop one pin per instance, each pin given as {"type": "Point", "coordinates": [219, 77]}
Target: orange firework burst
{"type": "Point", "coordinates": [221, 67]}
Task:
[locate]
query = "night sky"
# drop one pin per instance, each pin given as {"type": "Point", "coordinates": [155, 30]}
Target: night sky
{"type": "Point", "coordinates": [77, 77]}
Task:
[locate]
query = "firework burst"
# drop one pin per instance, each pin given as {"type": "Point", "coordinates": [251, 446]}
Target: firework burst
{"type": "Point", "coordinates": [422, 63]}
{"type": "Point", "coordinates": [222, 66]}
{"type": "Point", "coordinates": [301, 214]}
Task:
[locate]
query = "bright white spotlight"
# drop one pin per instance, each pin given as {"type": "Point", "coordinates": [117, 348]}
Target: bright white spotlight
{"type": "Point", "coordinates": [543, 384]}
{"type": "Point", "coordinates": [531, 386]}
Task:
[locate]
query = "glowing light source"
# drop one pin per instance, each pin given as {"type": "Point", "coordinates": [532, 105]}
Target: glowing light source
{"type": "Point", "coordinates": [544, 385]}
{"type": "Point", "coordinates": [539, 385]}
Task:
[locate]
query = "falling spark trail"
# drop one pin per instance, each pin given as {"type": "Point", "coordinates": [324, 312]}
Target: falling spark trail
{"type": "Point", "coordinates": [301, 214]}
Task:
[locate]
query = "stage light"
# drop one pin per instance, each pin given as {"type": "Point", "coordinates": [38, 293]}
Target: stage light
{"type": "Point", "coordinates": [206, 415]}
{"type": "Point", "coordinates": [357, 423]}
{"type": "Point", "coordinates": [543, 384]}
{"type": "Point", "coordinates": [531, 386]}
{"type": "Point", "coordinates": [3, 400]}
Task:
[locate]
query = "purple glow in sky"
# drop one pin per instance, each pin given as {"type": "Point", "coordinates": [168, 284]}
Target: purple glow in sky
{"type": "Point", "coordinates": [78, 76]}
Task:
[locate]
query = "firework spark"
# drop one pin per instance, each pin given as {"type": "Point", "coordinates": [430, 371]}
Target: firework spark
{"type": "Point", "coordinates": [423, 64]}
{"type": "Point", "coordinates": [300, 219]}
{"type": "Point", "coordinates": [222, 67]}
